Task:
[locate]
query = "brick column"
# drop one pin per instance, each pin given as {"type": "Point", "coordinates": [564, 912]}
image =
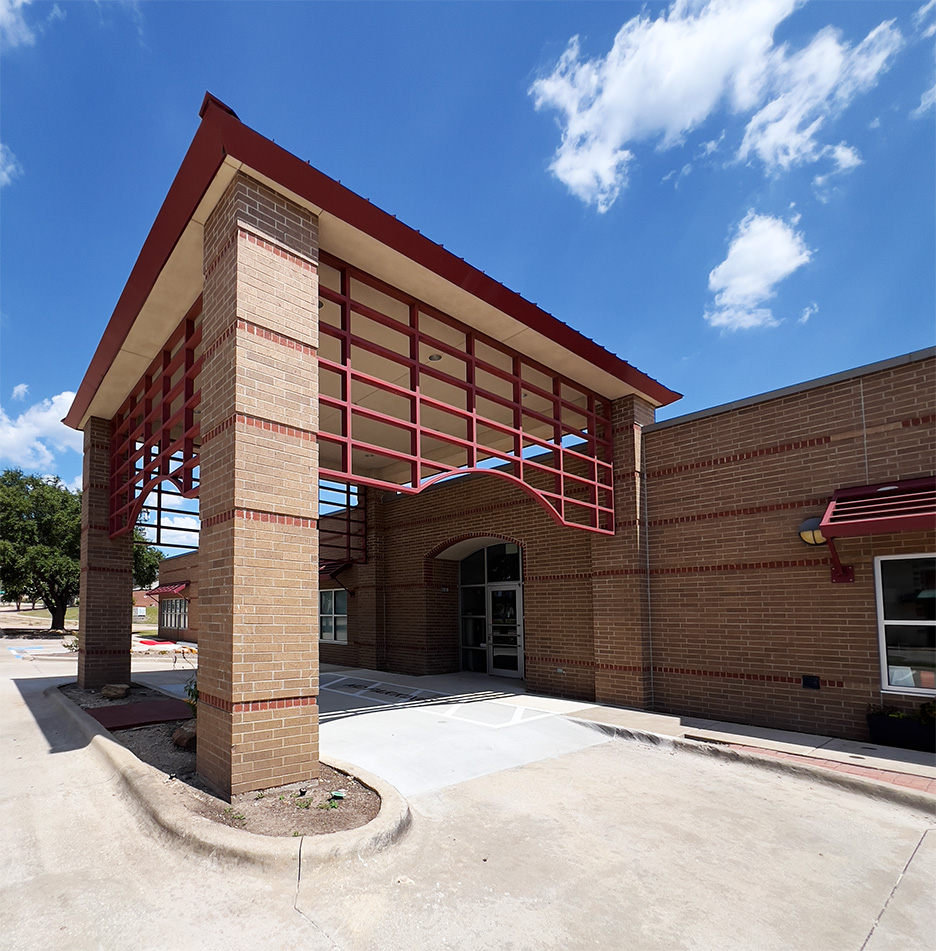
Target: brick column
{"type": "Point", "coordinates": [258, 582]}
{"type": "Point", "coordinates": [619, 578]}
{"type": "Point", "coordinates": [104, 612]}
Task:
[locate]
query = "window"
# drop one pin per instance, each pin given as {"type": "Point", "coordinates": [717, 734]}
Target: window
{"type": "Point", "coordinates": [173, 614]}
{"type": "Point", "coordinates": [333, 616]}
{"type": "Point", "coordinates": [906, 606]}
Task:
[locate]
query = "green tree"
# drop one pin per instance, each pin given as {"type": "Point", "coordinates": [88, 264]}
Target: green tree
{"type": "Point", "coordinates": [40, 540]}
{"type": "Point", "coordinates": [40, 543]}
{"type": "Point", "coordinates": [146, 561]}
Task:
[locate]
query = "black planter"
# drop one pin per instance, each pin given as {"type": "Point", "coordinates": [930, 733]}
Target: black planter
{"type": "Point", "coordinates": [902, 732]}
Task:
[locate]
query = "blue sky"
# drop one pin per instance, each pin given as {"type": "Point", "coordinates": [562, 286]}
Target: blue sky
{"type": "Point", "coordinates": [733, 196]}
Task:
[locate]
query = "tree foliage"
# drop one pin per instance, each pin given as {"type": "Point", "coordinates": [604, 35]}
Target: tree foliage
{"type": "Point", "coordinates": [40, 543]}
{"type": "Point", "coordinates": [146, 561]}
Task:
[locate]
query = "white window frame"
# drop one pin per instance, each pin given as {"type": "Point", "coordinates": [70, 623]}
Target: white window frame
{"type": "Point", "coordinates": [886, 686]}
{"type": "Point", "coordinates": [333, 637]}
{"type": "Point", "coordinates": [173, 614]}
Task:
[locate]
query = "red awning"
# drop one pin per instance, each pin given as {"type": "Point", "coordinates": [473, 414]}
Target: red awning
{"type": "Point", "coordinates": [908, 506]}
{"type": "Point", "coordinates": [176, 589]}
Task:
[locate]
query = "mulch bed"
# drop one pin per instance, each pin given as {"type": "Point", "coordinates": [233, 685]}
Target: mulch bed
{"type": "Point", "coordinates": [308, 808]}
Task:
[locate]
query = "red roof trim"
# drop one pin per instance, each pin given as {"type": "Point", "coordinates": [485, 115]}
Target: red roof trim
{"type": "Point", "coordinates": [221, 133]}
{"type": "Point", "coordinates": [905, 506]}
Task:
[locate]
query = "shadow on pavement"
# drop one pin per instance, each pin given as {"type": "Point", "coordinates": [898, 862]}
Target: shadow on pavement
{"type": "Point", "coordinates": [59, 733]}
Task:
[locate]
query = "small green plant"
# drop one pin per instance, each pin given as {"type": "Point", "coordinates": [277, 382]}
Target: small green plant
{"type": "Point", "coordinates": [260, 795]}
{"type": "Point", "coordinates": [191, 694]}
{"type": "Point", "coordinates": [303, 803]}
{"type": "Point", "coordinates": [297, 833]}
{"type": "Point", "coordinates": [329, 804]}
{"type": "Point", "coordinates": [234, 816]}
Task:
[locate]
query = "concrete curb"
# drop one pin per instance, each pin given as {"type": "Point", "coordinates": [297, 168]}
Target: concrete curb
{"type": "Point", "coordinates": [912, 798]}
{"type": "Point", "coordinates": [145, 787]}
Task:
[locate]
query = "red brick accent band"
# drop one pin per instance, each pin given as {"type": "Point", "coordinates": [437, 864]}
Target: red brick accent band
{"type": "Point", "coordinates": [280, 252]}
{"type": "Point", "coordinates": [591, 665]}
{"type": "Point", "coordinates": [749, 510]}
{"type": "Point", "coordinates": [290, 342]}
{"type": "Point", "coordinates": [103, 653]}
{"type": "Point", "coordinates": [919, 421]}
{"type": "Point", "coordinates": [107, 571]}
{"type": "Point", "coordinates": [689, 672]}
{"type": "Point", "coordinates": [252, 515]}
{"type": "Point", "coordinates": [741, 456]}
{"type": "Point", "coordinates": [268, 424]}
{"type": "Point", "coordinates": [212, 348]}
{"type": "Point", "coordinates": [224, 250]}
{"type": "Point", "coordinates": [740, 675]}
{"type": "Point", "coordinates": [252, 706]}
{"type": "Point", "coordinates": [95, 528]}
{"type": "Point", "coordinates": [249, 327]}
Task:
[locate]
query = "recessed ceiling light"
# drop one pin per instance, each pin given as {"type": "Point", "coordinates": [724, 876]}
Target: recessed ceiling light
{"type": "Point", "coordinates": [435, 357]}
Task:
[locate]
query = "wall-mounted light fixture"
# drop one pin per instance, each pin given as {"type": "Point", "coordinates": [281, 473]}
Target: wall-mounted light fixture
{"type": "Point", "coordinates": [810, 533]}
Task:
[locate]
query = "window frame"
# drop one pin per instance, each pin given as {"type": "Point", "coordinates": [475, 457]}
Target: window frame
{"type": "Point", "coordinates": [168, 615]}
{"type": "Point", "coordinates": [333, 638]}
{"type": "Point", "coordinates": [883, 623]}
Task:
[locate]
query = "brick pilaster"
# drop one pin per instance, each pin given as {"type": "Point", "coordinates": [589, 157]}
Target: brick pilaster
{"type": "Point", "coordinates": [258, 586]}
{"type": "Point", "coordinates": [106, 593]}
{"type": "Point", "coordinates": [619, 578]}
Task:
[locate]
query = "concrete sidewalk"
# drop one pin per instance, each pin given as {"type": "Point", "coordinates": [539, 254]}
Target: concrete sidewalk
{"type": "Point", "coordinates": [608, 845]}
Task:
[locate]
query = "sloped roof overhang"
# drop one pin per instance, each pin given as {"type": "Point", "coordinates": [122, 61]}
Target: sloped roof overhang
{"type": "Point", "coordinates": [903, 506]}
{"type": "Point", "coordinates": [167, 277]}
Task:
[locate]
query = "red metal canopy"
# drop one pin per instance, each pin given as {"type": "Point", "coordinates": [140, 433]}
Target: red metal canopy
{"type": "Point", "coordinates": [907, 506]}
{"type": "Point", "coordinates": [176, 589]}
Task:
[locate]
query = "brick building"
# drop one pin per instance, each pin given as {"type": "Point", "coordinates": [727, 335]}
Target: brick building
{"type": "Point", "coordinates": [400, 464]}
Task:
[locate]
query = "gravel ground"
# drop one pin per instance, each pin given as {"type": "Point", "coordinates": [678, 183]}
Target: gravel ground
{"type": "Point", "coordinates": [311, 808]}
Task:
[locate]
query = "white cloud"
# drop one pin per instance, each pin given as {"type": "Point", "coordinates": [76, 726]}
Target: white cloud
{"type": "Point", "coordinates": [845, 157]}
{"type": "Point", "coordinates": [808, 311]}
{"type": "Point", "coordinates": [9, 167]}
{"type": "Point", "coordinates": [810, 85]}
{"type": "Point", "coordinates": [34, 437]}
{"type": "Point", "coordinates": [172, 530]}
{"type": "Point", "coordinates": [764, 251]}
{"type": "Point", "coordinates": [14, 30]}
{"type": "Point", "coordinates": [663, 78]}
{"type": "Point", "coordinates": [927, 101]}
{"type": "Point", "coordinates": [922, 14]}
{"type": "Point", "coordinates": [20, 391]}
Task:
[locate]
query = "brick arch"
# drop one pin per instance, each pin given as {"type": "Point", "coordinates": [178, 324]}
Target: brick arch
{"type": "Point", "coordinates": [458, 539]}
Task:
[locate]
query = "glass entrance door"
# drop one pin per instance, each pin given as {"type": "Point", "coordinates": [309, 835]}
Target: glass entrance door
{"type": "Point", "coordinates": [492, 612]}
{"type": "Point", "coordinates": [505, 631]}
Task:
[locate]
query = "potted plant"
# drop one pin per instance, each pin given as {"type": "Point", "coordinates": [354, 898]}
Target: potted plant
{"type": "Point", "coordinates": [908, 730]}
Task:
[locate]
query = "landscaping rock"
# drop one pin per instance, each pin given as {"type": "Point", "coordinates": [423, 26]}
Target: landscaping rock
{"type": "Point", "coordinates": [114, 691]}
{"type": "Point", "coordinates": [187, 735]}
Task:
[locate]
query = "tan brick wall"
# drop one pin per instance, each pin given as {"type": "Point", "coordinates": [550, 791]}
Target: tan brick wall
{"type": "Point", "coordinates": [176, 570]}
{"type": "Point", "coordinates": [741, 608]}
{"type": "Point", "coordinates": [258, 558]}
{"type": "Point", "coordinates": [106, 589]}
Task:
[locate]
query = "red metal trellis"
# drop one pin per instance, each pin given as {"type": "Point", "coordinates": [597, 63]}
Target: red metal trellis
{"type": "Point", "coordinates": [410, 396]}
{"type": "Point", "coordinates": [155, 435]}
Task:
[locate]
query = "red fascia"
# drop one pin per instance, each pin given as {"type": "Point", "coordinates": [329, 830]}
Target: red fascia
{"type": "Point", "coordinates": [220, 134]}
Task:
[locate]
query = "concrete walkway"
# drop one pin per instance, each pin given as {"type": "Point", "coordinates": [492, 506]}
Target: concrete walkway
{"type": "Point", "coordinates": [561, 837]}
